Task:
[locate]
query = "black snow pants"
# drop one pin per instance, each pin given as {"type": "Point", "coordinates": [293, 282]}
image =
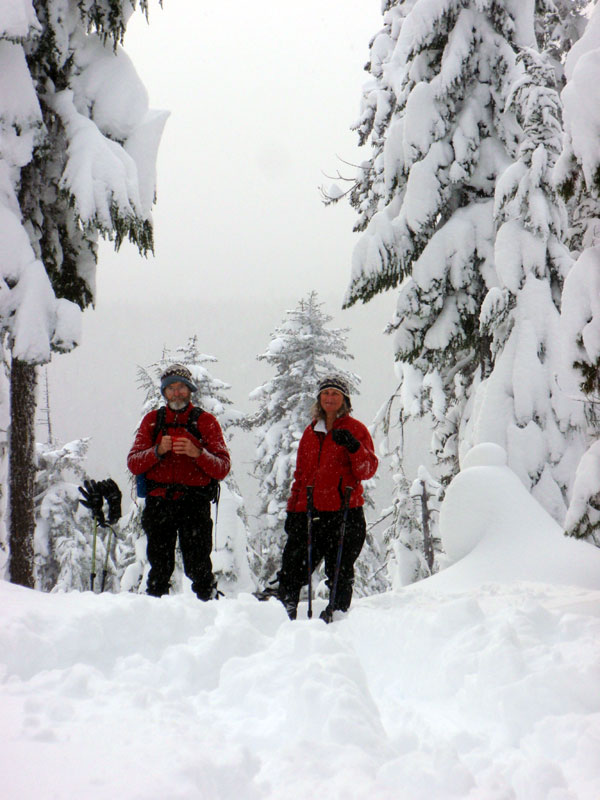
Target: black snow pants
{"type": "Point", "coordinates": [325, 539]}
{"type": "Point", "coordinates": [188, 517]}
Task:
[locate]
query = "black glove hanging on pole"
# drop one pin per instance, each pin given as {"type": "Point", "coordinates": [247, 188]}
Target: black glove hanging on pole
{"type": "Point", "coordinates": [112, 494]}
{"type": "Point", "coordinates": [345, 439]}
{"type": "Point", "coordinates": [92, 499]}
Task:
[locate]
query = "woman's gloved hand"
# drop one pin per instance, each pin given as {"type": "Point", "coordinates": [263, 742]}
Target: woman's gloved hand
{"type": "Point", "coordinates": [345, 439]}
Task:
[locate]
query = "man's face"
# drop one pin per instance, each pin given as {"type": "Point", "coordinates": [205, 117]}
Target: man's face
{"type": "Point", "coordinates": [177, 395]}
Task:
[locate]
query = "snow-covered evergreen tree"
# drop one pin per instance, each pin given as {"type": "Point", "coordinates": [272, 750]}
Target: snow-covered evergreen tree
{"type": "Point", "coordinates": [412, 544]}
{"type": "Point", "coordinates": [520, 405]}
{"type": "Point", "coordinates": [63, 533]}
{"type": "Point", "coordinates": [77, 152]}
{"type": "Point", "coordinates": [458, 209]}
{"type": "Point", "coordinates": [578, 172]}
{"type": "Point", "coordinates": [578, 178]}
{"type": "Point", "coordinates": [408, 529]}
{"type": "Point", "coordinates": [302, 350]}
{"type": "Point", "coordinates": [230, 556]}
{"type": "Point", "coordinates": [558, 25]}
{"type": "Point", "coordinates": [436, 116]}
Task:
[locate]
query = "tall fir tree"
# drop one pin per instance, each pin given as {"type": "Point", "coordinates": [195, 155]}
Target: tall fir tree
{"type": "Point", "coordinates": [451, 113]}
{"type": "Point", "coordinates": [440, 136]}
{"type": "Point", "coordinates": [520, 405]}
{"type": "Point", "coordinates": [578, 178]}
{"type": "Point", "coordinates": [302, 350]}
{"type": "Point", "coordinates": [77, 151]}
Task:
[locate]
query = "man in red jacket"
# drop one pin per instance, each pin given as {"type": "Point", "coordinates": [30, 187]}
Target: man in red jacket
{"type": "Point", "coordinates": [180, 466]}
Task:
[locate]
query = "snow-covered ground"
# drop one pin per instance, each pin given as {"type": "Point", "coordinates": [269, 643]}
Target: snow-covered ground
{"type": "Point", "coordinates": [481, 683]}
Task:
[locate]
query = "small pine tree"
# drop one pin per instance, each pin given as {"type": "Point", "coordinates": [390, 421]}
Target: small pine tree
{"type": "Point", "coordinates": [64, 534]}
{"type": "Point", "coordinates": [409, 527]}
{"type": "Point", "coordinates": [403, 536]}
{"type": "Point", "coordinates": [301, 352]}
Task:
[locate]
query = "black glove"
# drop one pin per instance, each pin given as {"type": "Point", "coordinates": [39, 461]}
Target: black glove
{"type": "Point", "coordinates": [112, 494]}
{"type": "Point", "coordinates": [295, 522]}
{"type": "Point", "coordinates": [345, 439]}
{"type": "Point", "coordinates": [92, 499]}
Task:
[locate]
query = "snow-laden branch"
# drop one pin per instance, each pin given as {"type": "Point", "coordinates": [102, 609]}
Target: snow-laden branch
{"type": "Point", "coordinates": [99, 175]}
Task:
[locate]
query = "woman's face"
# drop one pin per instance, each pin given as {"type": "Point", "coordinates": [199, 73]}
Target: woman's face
{"type": "Point", "coordinates": [331, 400]}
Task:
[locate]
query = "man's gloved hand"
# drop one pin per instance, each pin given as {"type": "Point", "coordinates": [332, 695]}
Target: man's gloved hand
{"type": "Point", "coordinates": [295, 522]}
{"type": "Point", "coordinates": [345, 439]}
{"type": "Point", "coordinates": [112, 494]}
{"type": "Point", "coordinates": [92, 499]}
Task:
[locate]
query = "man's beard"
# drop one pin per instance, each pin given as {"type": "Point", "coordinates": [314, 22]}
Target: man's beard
{"type": "Point", "coordinates": [178, 405]}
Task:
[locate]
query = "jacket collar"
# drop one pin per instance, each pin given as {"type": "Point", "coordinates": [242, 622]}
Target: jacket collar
{"type": "Point", "coordinates": [182, 414]}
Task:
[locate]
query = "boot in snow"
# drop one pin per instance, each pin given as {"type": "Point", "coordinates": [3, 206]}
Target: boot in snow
{"type": "Point", "coordinates": [290, 601]}
{"type": "Point", "coordinates": [270, 590]}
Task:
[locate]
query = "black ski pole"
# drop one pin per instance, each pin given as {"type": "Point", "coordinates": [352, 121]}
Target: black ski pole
{"type": "Point", "coordinates": [328, 613]}
{"type": "Point", "coordinates": [105, 570]}
{"type": "Point", "coordinates": [93, 572]}
{"type": "Point", "coordinates": [309, 524]}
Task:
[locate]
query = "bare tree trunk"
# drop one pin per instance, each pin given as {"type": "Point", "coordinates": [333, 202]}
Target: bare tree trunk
{"type": "Point", "coordinates": [427, 540]}
{"type": "Point", "coordinates": [21, 439]}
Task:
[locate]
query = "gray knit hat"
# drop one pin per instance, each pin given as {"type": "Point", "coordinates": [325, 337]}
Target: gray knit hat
{"type": "Point", "coordinates": [175, 373]}
{"type": "Point", "coordinates": [335, 382]}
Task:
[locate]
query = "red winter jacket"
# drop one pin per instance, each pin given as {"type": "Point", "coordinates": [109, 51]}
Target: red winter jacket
{"type": "Point", "coordinates": [213, 461]}
{"type": "Point", "coordinates": [330, 468]}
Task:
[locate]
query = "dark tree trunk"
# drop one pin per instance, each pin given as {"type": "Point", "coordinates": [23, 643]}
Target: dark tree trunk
{"type": "Point", "coordinates": [21, 463]}
{"type": "Point", "coordinates": [427, 540]}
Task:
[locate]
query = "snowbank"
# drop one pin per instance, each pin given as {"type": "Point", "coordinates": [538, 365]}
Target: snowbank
{"type": "Point", "coordinates": [493, 530]}
{"type": "Point", "coordinates": [460, 687]}
{"type": "Point", "coordinates": [485, 695]}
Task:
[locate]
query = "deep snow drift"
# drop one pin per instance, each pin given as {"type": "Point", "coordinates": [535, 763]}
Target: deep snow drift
{"type": "Point", "coordinates": [481, 683]}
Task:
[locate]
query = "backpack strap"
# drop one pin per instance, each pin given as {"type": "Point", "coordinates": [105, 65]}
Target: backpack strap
{"type": "Point", "coordinates": [159, 423]}
{"type": "Point", "coordinates": [192, 423]}
{"type": "Point", "coordinates": [162, 426]}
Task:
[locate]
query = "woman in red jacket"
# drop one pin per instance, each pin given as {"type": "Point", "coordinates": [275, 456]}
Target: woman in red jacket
{"type": "Point", "coordinates": [335, 452]}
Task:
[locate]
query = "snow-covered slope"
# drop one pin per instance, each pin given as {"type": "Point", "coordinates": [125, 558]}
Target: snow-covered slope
{"type": "Point", "coordinates": [479, 684]}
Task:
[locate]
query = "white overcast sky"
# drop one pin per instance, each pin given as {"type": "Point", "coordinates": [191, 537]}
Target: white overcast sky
{"type": "Point", "coordinates": [261, 96]}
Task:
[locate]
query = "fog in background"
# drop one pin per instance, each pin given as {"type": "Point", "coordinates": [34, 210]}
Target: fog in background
{"type": "Point", "coordinates": [262, 97]}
